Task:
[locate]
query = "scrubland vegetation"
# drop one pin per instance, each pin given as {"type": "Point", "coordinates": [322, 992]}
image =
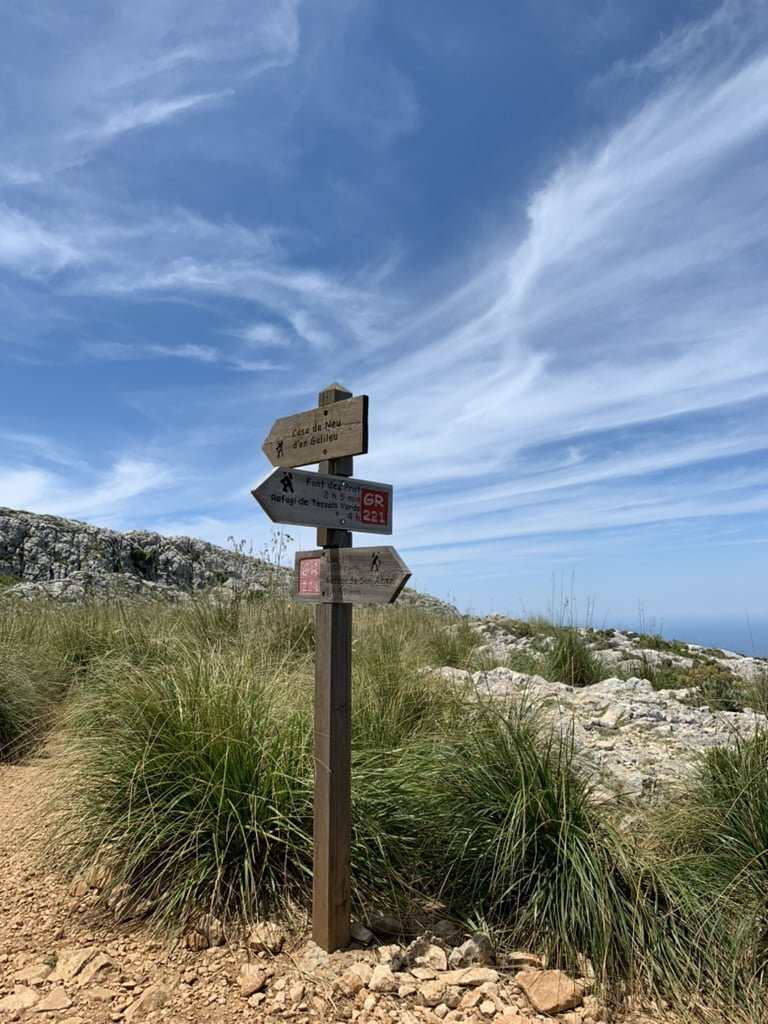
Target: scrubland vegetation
{"type": "Point", "coordinates": [182, 739]}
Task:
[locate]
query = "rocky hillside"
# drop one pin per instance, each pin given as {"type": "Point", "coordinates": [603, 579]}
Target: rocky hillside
{"type": "Point", "coordinates": [46, 556]}
{"type": "Point", "coordinates": [67, 559]}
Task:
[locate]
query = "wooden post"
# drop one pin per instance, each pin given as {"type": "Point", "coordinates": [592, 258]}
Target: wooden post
{"type": "Point", "coordinates": [331, 909]}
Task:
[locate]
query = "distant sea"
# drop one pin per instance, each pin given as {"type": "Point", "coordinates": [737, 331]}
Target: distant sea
{"type": "Point", "coordinates": [739, 634]}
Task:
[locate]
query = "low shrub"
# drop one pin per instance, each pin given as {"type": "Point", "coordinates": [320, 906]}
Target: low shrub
{"type": "Point", "coordinates": [716, 686]}
{"type": "Point", "coordinates": [452, 644]}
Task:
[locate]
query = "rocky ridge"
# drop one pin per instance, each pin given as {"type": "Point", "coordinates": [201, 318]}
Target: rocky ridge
{"type": "Point", "coordinates": [641, 738]}
{"type": "Point", "coordinates": [69, 561]}
{"type": "Point", "coordinates": [43, 555]}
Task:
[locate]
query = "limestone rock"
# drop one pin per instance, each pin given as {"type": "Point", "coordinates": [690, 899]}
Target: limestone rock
{"type": "Point", "coordinates": [382, 979]}
{"type": "Point", "coordinates": [470, 976]}
{"type": "Point", "coordinates": [46, 553]}
{"type": "Point", "coordinates": [35, 974]}
{"type": "Point", "coordinates": [424, 952]}
{"type": "Point", "coordinates": [212, 928]}
{"type": "Point", "coordinates": [154, 997]}
{"type": "Point", "coordinates": [363, 970]}
{"type": "Point", "coordinates": [97, 969]}
{"type": "Point", "coordinates": [266, 937]}
{"type": "Point", "coordinates": [392, 955]}
{"type": "Point", "coordinates": [70, 962]}
{"type": "Point", "coordinates": [196, 941]}
{"type": "Point", "coordinates": [522, 958]}
{"type": "Point", "coordinates": [349, 984]}
{"type": "Point", "coordinates": [431, 993]}
{"type": "Point", "coordinates": [56, 999]}
{"type": "Point", "coordinates": [313, 958]}
{"type": "Point", "coordinates": [475, 951]}
{"type": "Point", "coordinates": [78, 888]}
{"type": "Point", "coordinates": [252, 979]}
{"type": "Point", "coordinates": [21, 998]}
{"type": "Point", "coordinates": [549, 991]}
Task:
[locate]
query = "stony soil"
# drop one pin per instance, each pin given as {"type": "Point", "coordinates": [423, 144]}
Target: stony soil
{"type": "Point", "coordinates": [64, 960]}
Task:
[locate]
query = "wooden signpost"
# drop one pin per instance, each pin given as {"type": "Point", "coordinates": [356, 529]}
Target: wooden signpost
{"type": "Point", "coordinates": [334, 578]}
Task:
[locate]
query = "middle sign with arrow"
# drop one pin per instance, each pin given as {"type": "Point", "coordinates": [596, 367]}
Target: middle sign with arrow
{"type": "Point", "coordinates": [302, 498]}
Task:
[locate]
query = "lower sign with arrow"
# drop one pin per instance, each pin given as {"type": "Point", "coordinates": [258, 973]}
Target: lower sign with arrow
{"type": "Point", "coordinates": [350, 576]}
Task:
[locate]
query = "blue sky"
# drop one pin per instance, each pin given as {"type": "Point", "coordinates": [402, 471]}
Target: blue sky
{"type": "Point", "coordinates": [535, 233]}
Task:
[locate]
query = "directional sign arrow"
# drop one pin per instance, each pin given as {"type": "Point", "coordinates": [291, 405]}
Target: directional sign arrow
{"type": "Point", "coordinates": [304, 498]}
{"type": "Point", "coordinates": [350, 576]}
{"type": "Point", "coordinates": [328, 432]}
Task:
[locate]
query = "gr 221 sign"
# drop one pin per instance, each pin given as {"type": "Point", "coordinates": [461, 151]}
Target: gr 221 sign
{"type": "Point", "coordinates": [302, 498]}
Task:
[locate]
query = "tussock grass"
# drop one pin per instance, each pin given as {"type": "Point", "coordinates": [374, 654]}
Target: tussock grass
{"type": "Point", "coordinates": [33, 677]}
{"type": "Point", "coordinates": [570, 659]}
{"type": "Point", "coordinates": [193, 786]}
{"type": "Point", "coordinates": [718, 834]}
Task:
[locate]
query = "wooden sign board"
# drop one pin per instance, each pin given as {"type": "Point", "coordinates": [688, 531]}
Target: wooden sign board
{"type": "Point", "coordinates": [328, 432]}
{"type": "Point", "coordinates": [350, 576]}
{"type": "Point", "coordinates": [305, 498]}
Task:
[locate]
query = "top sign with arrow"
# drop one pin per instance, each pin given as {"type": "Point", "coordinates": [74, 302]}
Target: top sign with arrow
{"type": "Point", "coordinates": [328, 432]}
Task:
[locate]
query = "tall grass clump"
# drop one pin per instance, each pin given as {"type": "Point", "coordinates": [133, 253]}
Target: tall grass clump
{"type": "Point", "coordinates": [718, 837]}
{"type": "Point", "coordinates": [32, 682]}
{"type": "Point", "coordinates": [192, 786]}
{"type": "Point", "coordinates": [569, 658]}
{"type": "Point", "coordinates": [402, 714]}
{"type": "Point", "coordinates": [756, 689]}
{"type": "Point", "coordinates": [450, 643]}
{"type": "Point", "coordinates": [494, 820]}
{"type": "Point", "coordinates": [519, 843]}
{"type": "Point", "coordinates": [396, 698]}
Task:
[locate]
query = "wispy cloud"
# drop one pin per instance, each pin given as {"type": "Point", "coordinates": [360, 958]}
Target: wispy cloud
{"type": "Point", "coordinates": [634, 295]}
{"type": "Point", "coordinates": [30, 248]}
{"type": "Point", "coordinates": [114, 70]}
{"type": "Point", "coordinates": [143, 115]}
{"type": "Point", "coordinates": [92, 497]}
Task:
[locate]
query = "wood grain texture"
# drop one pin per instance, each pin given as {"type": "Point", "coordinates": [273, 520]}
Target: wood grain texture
{"type": "Point", "coordinates": [349, 575]}
{"type": "Point", "coordinates": [328, 432]}
{"type": "Point", "coordinates": [331, 907]}
{"type": "Point", "coordinates": [331, 911]}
